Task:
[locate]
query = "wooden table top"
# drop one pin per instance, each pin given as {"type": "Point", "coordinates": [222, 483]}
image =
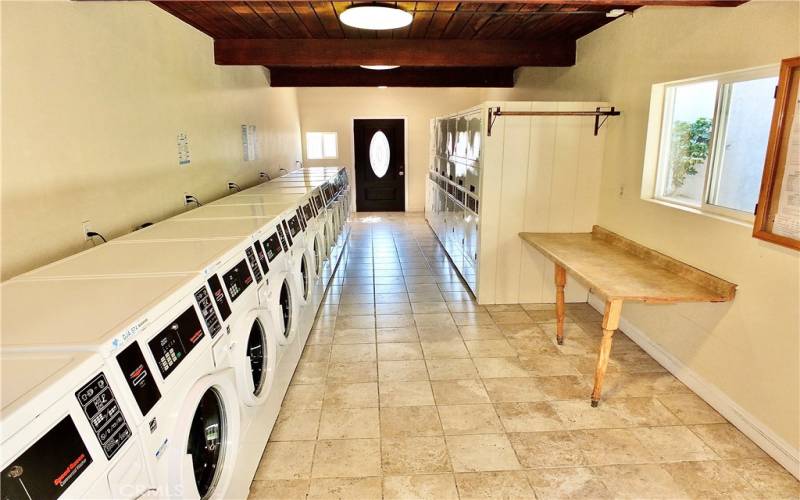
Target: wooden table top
{"type": "Point", "coordinates": [617, 268]}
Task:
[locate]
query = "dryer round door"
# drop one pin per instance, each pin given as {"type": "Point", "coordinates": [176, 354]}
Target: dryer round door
{"type": "Point", "coordinates": [286, 309]}
{"type": "Point", "coordinates": [207, 430]}
{"type": "Point", "coordinates": [255, 355]}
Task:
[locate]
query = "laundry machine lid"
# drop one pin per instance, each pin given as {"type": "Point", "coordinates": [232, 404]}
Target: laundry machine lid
{"type": "Point", "coordinates": [257, 199]}
{"type": "Point", "coordinates": [234, 211]}
{"type": "Point", "coordinates": [176, 229]}
{"type": "Point", "coordinates": [22, 373]}
{"type": "Point", "coordinates": [140, 257]}
{"type": "Point", "coordinates": [36, 314]}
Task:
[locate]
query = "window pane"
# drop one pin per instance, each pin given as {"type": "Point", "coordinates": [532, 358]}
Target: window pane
{"type": "Point", "coordinates": [314, 145]}
{"type": "Point", "coordinates": [688, 118]}
{"type": "Point", "coordinates": [379, 154]}
{"type": "Point", "coordinates": [742, 143]}
{"type": "Point", "coordinates": [329, 145]}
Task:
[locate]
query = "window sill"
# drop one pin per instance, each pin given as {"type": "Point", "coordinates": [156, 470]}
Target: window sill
{"type": "Point", "coordinates": [704, 213]}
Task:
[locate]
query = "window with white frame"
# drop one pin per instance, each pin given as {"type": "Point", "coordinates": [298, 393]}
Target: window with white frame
{"type": "Point", "coordinates": [713, 139]}
{"type": "Point", "coordinates": [321, 145]}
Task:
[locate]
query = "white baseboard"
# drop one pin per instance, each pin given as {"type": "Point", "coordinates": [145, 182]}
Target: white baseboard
{"type": "Point", "coordinates": [775, 446]}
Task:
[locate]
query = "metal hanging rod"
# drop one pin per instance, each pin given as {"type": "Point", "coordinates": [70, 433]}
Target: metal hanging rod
{"type": "Point", "coordinates": [597, 113]}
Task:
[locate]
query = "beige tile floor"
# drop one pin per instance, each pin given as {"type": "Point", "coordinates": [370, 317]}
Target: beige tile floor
{"type": "Point", "coordinates": [408, 389]}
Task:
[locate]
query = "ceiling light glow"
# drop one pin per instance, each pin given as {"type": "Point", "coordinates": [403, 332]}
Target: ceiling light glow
{"type": "Point", "coordinates": [615, 12]}
{"type": "Point", "coordinates": [378, 67]}
{"type": "Point", "coordinates": [375, 17]}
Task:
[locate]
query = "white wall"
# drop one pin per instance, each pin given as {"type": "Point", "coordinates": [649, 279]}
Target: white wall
{"type": "Point", "coordinates": [333, 110]}
{"type": "Point", "coordinates": [747, 350]}
{"type": "Point", "coordinates": [93, 97]}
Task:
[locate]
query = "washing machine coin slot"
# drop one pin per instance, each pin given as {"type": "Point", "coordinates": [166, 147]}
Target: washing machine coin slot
{"type": "Point", "coordinates": [299, 212]}
{"type": "Point", "coordinates": [207, 310]}
{"type": "Point", "coordinates": [251, 258]}
{"type": "Point", "coordinates": [101, 409]}
{"type": "Point", "coordinates": [237, 279]}
{"type": "Point", "coordinates": [219, 297]}
{"type": "Point", "coordinates": [262, 256]}
{"type": "Point", "coordinates": [173, 343]}
{"type": "Point", "coordinates": [206, 442]}
{"type": "Point", "coordinates": [49, 466]}
{"type": "Point", "coordinates": [137, 375]}
{"type": "Point", "coordinates": [272, 246]}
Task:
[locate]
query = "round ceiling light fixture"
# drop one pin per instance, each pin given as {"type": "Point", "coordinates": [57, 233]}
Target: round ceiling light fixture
{"type": "Point", "coordinates": [378, 67]}
{"type": "Point", "coordinates": [375, 17]}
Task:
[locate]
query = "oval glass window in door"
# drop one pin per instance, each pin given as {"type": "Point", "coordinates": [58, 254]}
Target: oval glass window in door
{"type": "Point", "coordinates": [379, 154]}
{"type": "Point", "coordinates": [206, 443]}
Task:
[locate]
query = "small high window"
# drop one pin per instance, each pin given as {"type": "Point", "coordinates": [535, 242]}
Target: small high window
{"type": "Point", "coordinates": [711, 136]}
{"type": "Point", "coordinates": [321, 145]}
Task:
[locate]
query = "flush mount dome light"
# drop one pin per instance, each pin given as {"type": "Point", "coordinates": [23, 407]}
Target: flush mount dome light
{"type": "Point", "coordinates": [378, 67]}
{"type": "Point", "coordinates": [375, 17]}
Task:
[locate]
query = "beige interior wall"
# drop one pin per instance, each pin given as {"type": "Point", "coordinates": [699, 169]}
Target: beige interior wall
{"type": "Point", "coordinates": [750, 348]}
{"type": "Point", "coordinates": [93, 97]}
{"type": "Point", "coordinates": [333, 110]}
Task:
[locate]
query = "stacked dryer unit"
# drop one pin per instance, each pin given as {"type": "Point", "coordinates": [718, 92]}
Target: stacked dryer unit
{"type": "Point", "coordinates": [178, 321]}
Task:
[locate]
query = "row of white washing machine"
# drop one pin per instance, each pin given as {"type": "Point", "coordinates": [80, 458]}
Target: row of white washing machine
{"type": "Point", "coordinates": [155, 365]}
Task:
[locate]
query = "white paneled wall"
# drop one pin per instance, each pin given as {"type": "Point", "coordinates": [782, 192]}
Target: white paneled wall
{"type": "Point", "coordinates": [538, 174]}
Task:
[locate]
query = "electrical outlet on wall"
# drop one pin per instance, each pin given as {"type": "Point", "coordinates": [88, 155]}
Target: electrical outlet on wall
{"type": "Point", "coordinates": [86, 228]}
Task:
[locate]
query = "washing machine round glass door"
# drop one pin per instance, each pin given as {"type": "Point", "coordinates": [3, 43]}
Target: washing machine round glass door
{"type": "Point", "coordinates": [286, 309]}
{"type": "Point", "coordinates": [318, 255]}
{"type": "Point", "coordinates": [257, 355]}
{"type": "Point", "coordinates": [206, 443]}
{"type": "Point", "coordinates": [304, 275]}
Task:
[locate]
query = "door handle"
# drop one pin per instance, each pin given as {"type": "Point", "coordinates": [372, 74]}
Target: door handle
{"type": "Point", "coordinates": [401, 172]}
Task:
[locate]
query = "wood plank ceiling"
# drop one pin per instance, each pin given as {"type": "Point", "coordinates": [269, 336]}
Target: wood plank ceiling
{"type": "Point", "coordinates": [468, 43]}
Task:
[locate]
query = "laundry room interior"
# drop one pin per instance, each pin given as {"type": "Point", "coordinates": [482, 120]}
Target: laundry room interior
{"type": "Point", "coordinates": [400, 250]}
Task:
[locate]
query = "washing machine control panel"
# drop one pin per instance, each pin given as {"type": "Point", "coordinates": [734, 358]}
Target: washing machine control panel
{"type": "Point", "coordinates": [295, 226]}
{"type": "Point", "coordinates": [299, 212]}
{"type": "Point", "coordinates": [282, 237]}
{"type": "Point", "coordinates": [137, 375]}
{"type": "Point", "coordinates": [49, 466]}
{"type": "Point", "coordinates": [272, 246]}
{"type": "Point", "coordinates": [287, 233]}
{"type": "Point", "coordinates": [237, 279]}
{"type": "Point", "coordinates": [171, 345]}
{"type": "Point", "coordinates": [308, 211]}
{"type": "Point", "coordinates": [219, 297]}
{"type": "Point", "coordinates": [262, 256]}
{"type": "Point", "coordinates": [251, 258]}
{"type": "Point", "coordinates": [207, 310]}
{"type": "Point", "coordinates": [101, 409]}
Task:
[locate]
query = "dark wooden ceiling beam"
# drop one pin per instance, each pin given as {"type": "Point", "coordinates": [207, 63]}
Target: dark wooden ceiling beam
{"type": "Point", "coordinates": [402, 52]}
{"type": "Point", "coordinates": [599, 3]}
{"type": "Point", "coordinates": [399, 77]}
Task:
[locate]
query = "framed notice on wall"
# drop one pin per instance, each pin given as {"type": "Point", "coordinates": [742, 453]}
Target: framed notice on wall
{"type": "Point", "coordinates": [778, 209]}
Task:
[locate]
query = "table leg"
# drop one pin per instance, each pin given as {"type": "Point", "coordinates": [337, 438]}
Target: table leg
{"type": "Point", "coordinates": [561, 280]}
{"type": "Point", "coordinates": [610, 325]}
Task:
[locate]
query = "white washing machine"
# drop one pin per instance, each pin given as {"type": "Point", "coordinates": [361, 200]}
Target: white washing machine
{"type": "Point", "coordinates": [149, 332]}
{"type": "Point", "coordinates": [65, 432]}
